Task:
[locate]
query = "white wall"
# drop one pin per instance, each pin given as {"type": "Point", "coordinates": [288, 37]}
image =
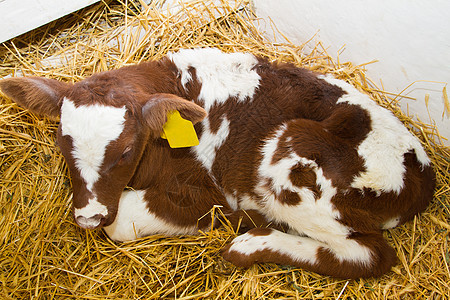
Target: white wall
{"type": "Point", "coordinates": [409, 38]}
{"type": "Point", "coordinates": [20, 16]}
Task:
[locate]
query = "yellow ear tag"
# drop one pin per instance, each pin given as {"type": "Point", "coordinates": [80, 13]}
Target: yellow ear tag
{"type": "Point", "coordinates": [179, 132]}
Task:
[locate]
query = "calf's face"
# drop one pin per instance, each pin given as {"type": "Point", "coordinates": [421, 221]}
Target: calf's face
{"type": "Point", "coordinates": [102, 151]}
{"type": "Point", "coordinates": [105, 125]}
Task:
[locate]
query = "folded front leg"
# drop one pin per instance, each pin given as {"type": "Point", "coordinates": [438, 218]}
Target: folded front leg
{"type": "Point", "coordinates": [359, 255]}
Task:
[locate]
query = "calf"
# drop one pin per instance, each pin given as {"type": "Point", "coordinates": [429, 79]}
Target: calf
{"type": "Point", "coordinates": [304, 151]}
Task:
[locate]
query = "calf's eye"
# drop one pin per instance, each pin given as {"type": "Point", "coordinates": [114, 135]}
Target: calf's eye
{"type": "Point", "coordinates": [125, 154]}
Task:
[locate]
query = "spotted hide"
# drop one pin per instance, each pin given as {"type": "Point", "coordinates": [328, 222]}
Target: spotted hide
{"type": "Point", "coordinates": [305, 152]}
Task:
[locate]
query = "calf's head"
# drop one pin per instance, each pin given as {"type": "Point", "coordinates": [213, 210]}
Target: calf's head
{"type": "Point", "coordinates": [105, 126]}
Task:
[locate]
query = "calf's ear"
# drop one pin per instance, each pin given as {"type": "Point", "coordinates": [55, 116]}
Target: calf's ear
{"type": "Point", "coordinates": [158, 106]}
{"type": "Point", "coordinates": [40, 95]}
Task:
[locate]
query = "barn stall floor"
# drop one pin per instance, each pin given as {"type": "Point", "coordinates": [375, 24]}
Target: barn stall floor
{"type": "Point", "coordinates": [43, 254]}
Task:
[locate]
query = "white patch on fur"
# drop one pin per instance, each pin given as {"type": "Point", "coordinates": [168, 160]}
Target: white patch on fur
{"type": "Point", "coordinates": [315, 217]}
{"type": "Point", "coordinates": [350, 250]}
{"type": "Point", "coordinates": [209, 142]}
{"type": "Point", "coordinates": [296, 247]}
{"type": "Point", "coordinates": [392, 223]}
{"type": "Point", "coordinates": [280, 171]}
{"type": "Point", "coordinates": [134, 220]}
{"type": "Point", "coordinates": [92, 128]}
{"type": "Point", "coordinates": [232, 200]}
{"type": "Point", "coordinates": [222, 75]}
{"type": "Point", "coordinates": [91, 209]}
{"type": "Point", "coordinates": [248, 203]}
{"type": "Point", "coordinates": [385, 145]}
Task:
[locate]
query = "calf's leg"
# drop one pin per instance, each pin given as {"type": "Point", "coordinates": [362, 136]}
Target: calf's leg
{"type": "Point", "coordinates": [355, 256]}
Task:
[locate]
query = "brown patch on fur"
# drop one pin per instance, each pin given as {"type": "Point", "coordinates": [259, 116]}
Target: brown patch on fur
{"type": "Point", "coordinates": [337, 157]}
{"type": "Point", "coordinates": [261, 231]}
{"type": "Point", "coordinates": [349, 123]}
{"type": "Point", "coordinates": [289, 197]}
{"type": "Point", "coordinates": [303, 176]}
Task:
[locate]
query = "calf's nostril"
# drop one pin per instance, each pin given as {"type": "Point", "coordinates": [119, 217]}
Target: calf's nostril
{"type": "Point", "coordinates": [91, 222]}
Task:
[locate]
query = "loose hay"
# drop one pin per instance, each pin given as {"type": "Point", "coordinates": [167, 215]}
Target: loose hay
{"type": "Point", "coordinates": [43, 254]}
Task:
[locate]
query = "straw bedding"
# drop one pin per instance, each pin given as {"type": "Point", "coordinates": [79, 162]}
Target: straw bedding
{"type": "Point", "coordinates": [43, 254]}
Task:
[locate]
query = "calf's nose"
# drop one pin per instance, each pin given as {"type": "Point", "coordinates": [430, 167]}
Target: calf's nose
{"type": "Point", "coordinates": [91, 222]}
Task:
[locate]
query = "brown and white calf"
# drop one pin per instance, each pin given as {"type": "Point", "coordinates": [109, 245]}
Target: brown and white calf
{"type": "Point", "coordinates": [305, 151]}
